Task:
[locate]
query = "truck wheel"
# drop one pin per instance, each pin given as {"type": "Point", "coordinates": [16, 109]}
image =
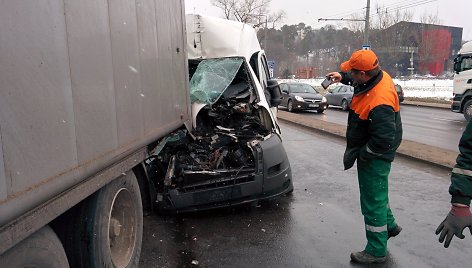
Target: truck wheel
{"type": "Point", "coordinates": [468, 110]}
{"type": "Point", "coordinates": [107, 230]}
{"type": "Point", "coordinates": [41, 249]}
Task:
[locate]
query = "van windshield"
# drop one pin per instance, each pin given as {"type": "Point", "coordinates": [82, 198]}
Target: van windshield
{"type": "Point", "coordinates": [212, 77]}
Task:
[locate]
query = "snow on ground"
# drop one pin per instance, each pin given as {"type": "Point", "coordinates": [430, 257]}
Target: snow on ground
{"type": "Point", "coordinates": [419, 88]}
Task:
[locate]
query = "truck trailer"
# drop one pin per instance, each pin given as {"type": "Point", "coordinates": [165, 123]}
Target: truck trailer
{"type": "Point", "coordinates": [86, 88]}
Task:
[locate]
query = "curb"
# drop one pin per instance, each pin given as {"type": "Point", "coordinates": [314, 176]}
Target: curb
{"type": "Point", "coordinates": [419, 151]}
{"type": "Point", "coordinates": [427, 104]}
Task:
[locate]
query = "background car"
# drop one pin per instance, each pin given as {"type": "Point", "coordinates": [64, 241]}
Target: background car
{"type": "Point", "coordinates": [301, 96]}
{"type": "Point", "coordinates": [340, 95]}
{"type": "Point", "coordinates": [399, 90]}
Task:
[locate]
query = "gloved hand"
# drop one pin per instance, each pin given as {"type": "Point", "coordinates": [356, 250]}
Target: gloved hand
{"type": "Point", "coordinates": [456, 221]}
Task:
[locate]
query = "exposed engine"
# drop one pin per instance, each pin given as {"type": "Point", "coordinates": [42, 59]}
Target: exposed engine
{"type": "Point", "coordinates": [220, 148]}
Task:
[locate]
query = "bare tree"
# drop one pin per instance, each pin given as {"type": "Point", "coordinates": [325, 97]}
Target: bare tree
{"type": "Point", "coordinates": [383, 17]}
{"type": "Point", "coordinates": [227, 6]}
{"type": "Point", "coordinates": [253, 12]}
{"type": "Point", "coordinates": [430, 18]}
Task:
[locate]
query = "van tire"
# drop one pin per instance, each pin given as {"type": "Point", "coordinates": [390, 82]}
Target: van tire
{"type": "Point", "coordinates": [468, 110]}
{"type": "Point", "coordinates": [43, 249]}
{"type": "Point", "coordinates": [108, 228]}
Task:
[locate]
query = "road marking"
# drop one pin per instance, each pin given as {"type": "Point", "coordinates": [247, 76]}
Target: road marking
{"type": "Point", "coordinates": [449, 120]}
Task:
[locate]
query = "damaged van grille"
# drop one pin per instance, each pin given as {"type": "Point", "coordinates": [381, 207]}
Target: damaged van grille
{"type": "Point", "coordinates": [223, 178]}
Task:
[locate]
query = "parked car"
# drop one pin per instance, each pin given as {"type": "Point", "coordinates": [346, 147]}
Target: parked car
{"type": "Point", "coordinates": [399, 90]}
{"type": "Point", "coordinates": [340, 95]}
{"type": "Point", "coordinates": [302, 96]}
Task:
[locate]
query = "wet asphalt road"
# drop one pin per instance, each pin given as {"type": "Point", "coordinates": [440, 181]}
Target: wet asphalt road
{"type": "Point", "coordinates": [437, 127]}
{"type": "Point", "coordinates": [318, 226]}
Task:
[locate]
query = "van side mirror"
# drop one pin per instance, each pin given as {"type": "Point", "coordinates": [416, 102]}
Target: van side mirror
{"type": "Point", "coordinates": [275, 92]}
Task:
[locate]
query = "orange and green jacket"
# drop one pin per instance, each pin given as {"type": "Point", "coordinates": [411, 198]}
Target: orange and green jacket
{"type": "Point", "coordinates": [374, 126]}
{"type": "Point", "coordinates": [461, 175]}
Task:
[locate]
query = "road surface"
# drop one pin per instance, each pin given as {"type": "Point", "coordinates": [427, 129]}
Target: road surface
{"type": "Point", "coordinates": [318, 226]}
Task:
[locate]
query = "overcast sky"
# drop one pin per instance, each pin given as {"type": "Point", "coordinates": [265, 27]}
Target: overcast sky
{"type": "Point", "coordinates": [451, 12]}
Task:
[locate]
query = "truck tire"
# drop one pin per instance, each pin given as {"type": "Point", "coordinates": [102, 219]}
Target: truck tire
{"type": "Point", "coordinates": [468, 110]}
{"type": "Point", "coordinates": [108, 227]}
{"type": "Point", "coordinates": [42, 249]}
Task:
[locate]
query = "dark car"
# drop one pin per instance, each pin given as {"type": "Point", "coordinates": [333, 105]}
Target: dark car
{"type": "Point", "coordinates": [340, 95]}
{"type": "Point", "coordinates": [399, 90]}
{"type": "Point", "coordinates": [301, 96]}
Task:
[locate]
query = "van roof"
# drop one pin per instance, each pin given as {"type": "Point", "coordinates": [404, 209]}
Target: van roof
{"type": "Point", "coordinates": [209, 37]}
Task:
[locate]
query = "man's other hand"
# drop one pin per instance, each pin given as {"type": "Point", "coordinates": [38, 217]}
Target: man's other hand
{"type": "Point", "coordinates": [456, 221]}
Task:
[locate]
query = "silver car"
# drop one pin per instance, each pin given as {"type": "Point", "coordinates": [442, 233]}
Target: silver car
{"type": "Point", "coordinates": [340, 95]}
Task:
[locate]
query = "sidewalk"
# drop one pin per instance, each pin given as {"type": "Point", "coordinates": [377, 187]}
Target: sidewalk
{"type": "Point", "coordinates": [419, 151]}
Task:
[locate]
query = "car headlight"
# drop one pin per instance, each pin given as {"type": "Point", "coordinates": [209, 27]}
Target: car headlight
{"type": "Point", "coordinates": [324, 99]}
{"type": "Point", "coordinates": [298, 98]}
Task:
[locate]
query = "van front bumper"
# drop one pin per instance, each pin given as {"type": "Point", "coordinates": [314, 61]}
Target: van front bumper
{"type": "Point", "coordinates": [272, 178]}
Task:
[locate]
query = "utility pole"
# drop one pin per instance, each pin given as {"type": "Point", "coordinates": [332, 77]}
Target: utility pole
{"type": "Point", "coordinates": [265, 36]}
{"type": "Point", "coordinates": [367, 19]}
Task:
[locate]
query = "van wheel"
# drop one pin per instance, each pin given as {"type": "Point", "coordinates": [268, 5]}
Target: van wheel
{"type": "Point", "coordinates": [468, 110]}
{"type": "Point", "coordinates": [42, 249]}
{"type": "Point", "coordinates": [345, 105]}
{"type": "Point", "coordinates": [290, 106]}
{"type": "Point", "coordinates": [107, 229]}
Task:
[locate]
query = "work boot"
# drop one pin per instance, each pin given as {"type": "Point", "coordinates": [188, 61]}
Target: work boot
{"type": "Point", "coordinates": [394, 232]}
{"type": "Point", "coordinates": [364, 257]}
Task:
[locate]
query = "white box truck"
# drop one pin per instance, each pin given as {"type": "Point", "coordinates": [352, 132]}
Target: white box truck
{"type": "Point", "coordinates": [462, 87]}
{"type": "Point", "coordinates": [85, 87]}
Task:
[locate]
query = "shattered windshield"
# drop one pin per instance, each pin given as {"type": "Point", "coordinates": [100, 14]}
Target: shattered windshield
{"type": "Point", "coordinates": [212, 77]}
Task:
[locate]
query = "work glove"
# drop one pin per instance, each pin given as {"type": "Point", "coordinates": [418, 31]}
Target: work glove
{"type": "Point", "coordinates": [456, 221]}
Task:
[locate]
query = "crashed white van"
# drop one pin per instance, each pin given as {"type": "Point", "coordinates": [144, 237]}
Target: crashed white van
{"type": "Point", "coordinates": [233, 153]}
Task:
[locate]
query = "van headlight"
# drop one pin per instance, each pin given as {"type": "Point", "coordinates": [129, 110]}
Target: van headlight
{"type": "Point", "coordinates": [298, 98]}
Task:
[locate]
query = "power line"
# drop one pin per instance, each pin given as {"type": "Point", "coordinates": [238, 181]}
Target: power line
{"type": "Point", "coordinates": [390, 8]}
{"type": "Point", "coordinates": [356, 11]}
{"type": "Point", "coordinates": [416, 3]}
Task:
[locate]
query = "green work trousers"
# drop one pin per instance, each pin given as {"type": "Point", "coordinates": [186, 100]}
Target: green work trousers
{"type": "Point", "coordinates": [378, 218]}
